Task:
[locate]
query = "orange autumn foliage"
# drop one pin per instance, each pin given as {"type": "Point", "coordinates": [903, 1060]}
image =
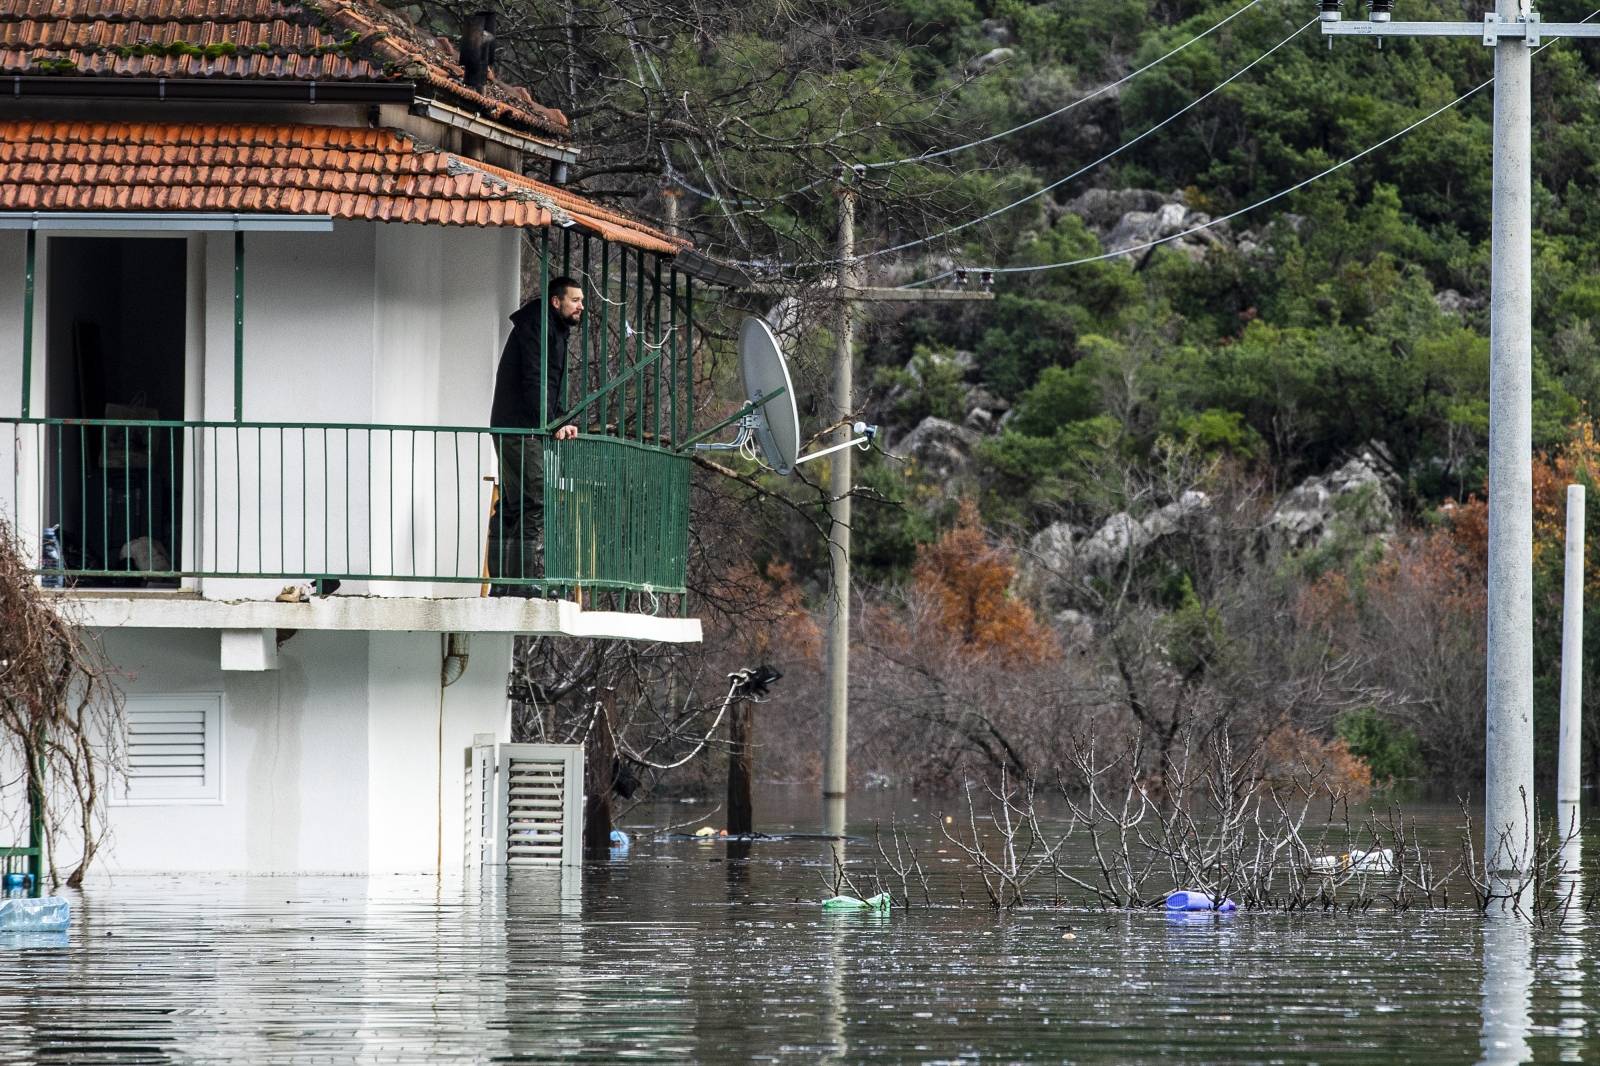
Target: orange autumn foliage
{"type": "Point", "coordinates": [773, 618]}
{"type": "Point", "coordinates": [1575, 463]}
{"type": "Point", "coordinates": [969, 582]}
{"type": "Point", "coordinates": [1293, 757]}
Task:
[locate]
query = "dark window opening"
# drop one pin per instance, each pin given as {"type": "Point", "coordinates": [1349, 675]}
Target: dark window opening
{"type": "Point", "coordinates": [116, 327]}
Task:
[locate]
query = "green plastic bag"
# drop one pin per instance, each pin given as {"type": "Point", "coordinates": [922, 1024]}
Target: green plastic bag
{"type": "Point", "coordinates": [878, 904]}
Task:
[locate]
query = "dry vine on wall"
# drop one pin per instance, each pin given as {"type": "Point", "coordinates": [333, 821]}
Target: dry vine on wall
{"type": "Point", "coordinates": [61, 723]}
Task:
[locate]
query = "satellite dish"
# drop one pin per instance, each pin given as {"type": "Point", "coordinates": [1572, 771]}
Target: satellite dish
{"type": "Point", "coordinates": [774, 421]}
{"type": "Point", "coordinates": [769, 417]}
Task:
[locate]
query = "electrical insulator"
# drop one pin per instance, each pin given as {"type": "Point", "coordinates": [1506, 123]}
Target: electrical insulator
{"type": "Point", "coordinates": [1329, 10]}
{"type": "Point", "coordinates": [986, 278]}
{"type": "Point", "coordinates": [1380, 10]}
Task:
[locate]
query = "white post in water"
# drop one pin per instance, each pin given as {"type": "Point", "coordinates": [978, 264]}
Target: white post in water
{"type": "Point", "coordinates": [1508, 784]}
{"type": "Point", "coordinates": [1569, 759]}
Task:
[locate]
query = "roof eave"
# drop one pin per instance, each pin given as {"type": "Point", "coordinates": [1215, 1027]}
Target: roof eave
{"type": "Point", "coordinates": [195, 89]}
{"type": "Point", "coordinates": [456, 117]}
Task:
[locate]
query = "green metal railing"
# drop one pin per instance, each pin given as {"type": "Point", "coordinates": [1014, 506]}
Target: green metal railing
{"type": "Point", "coordinates": [593, 487]}
{"type": "Point", "coordinates": [24, 860]}
{"type": "Point", "coordinates": [148, 503]}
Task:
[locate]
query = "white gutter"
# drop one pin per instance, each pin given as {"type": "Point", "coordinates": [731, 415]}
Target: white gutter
{"type": "Point", "coordinates": [131, 221]}
{"type": "Point", "coordinates": [493, 131]}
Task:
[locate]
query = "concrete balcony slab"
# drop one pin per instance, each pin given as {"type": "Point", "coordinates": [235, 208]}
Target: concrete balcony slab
{"type": "Point", "coordinates": [178, 610]}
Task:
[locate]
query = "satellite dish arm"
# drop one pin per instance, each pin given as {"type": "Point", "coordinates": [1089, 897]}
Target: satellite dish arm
{"type": "Point", "coordinates": [868, 434]}
{"type": "Point", "coordinates": [742, 413]}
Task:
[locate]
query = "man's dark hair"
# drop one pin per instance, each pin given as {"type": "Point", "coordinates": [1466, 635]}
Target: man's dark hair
{"type": "Point", "coordinates": [559, 287]}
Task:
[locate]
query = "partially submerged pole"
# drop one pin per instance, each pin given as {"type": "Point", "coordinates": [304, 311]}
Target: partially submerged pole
{"type": "Point", "coordinates": [835, 772]}
{"type": "Point", "coordinates": [1508, 776]}
{"type": "Point", "coordinates": [741, 808]}
{"type": "Point", "coordinates": [599, 761]}
{"type": "Point", "coordinates": [1571, 745]}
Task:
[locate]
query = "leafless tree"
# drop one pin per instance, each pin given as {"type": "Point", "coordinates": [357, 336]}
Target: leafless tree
{"type": "Point", "coordinates": [61, 727]}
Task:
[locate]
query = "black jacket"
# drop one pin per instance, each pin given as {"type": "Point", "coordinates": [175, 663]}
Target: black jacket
{"type": "Point", "coordinates": [516, 383]}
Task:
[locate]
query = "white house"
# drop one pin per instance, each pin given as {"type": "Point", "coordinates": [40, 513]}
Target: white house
{"type": "Point", "coordinates": [257, 260]}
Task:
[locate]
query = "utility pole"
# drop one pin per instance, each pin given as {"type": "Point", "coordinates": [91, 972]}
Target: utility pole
{"type": "Point", "coordinates": [834, 764]}
{"type": "Point", "coordinates": [1513, 30]}
{"type": "Point", "coordinates": [847, 293]}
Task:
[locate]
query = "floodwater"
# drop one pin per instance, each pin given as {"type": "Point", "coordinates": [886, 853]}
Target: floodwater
{"type": "Point", "coordinates": [703, 952]}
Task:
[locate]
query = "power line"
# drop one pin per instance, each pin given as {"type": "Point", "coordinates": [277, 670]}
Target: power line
{"type": "Point", "coordinates": [925, 156]}
{"type": "Point", "coordinates": [1280, 194]}
{"type": "Point", "coordinates": [1119, 149]}
{"type": "Point", "coordinates": [678, 179]}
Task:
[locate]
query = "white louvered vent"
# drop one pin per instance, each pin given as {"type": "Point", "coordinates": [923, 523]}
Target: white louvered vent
{"type": "Point", "coordinates": [478, 832]}
{"type": "Point", "coordinates": [533, 813]}
{"type": "Point", "coordinates": [174, 752]}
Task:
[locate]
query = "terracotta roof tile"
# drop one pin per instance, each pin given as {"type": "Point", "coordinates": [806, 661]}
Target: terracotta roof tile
{"type": "Point", "coordinates": [343, 171]}
{"type": "Point", "coordinates": [295, 40]}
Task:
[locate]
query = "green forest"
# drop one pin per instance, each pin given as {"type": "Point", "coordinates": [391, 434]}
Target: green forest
{"type": "Point", "coordinates": [1213, 457]}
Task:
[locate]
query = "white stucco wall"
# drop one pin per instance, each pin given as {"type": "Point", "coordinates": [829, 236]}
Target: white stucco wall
{"type": "Point", "coordinates": [331, 762]}
{"type": "Point", "coordinates": [415, 799]}
{"type": "Point", "coordinates": [294, 759]}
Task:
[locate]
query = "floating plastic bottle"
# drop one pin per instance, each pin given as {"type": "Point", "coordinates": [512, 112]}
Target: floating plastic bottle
{"type": "Point", "coordinates": [51, 558]}
{"type": "Point", "coordinates": [1189, 900]}
{"type": "Point", "coordinates": [878, 904]}
{"type": "Point", "coordinates": [51, 914]}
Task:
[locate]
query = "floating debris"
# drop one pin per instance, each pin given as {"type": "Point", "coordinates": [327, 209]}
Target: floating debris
{"type": "Point", "coordinates": [1190, 900]}
{"type": "Point", "coordinates": [878, 904]}
{"type": "Point", "coordinates": [1378, 861]}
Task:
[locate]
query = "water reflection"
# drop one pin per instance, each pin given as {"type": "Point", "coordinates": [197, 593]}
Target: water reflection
{"type": "Point", "coordinates": [832, 992]}
{"type": "Point", "coordinates": [1507, 988]}
{"type": "Point", "coordinates": [1572, 948]}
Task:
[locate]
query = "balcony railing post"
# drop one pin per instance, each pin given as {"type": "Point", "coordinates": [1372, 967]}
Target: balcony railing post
{"type": "Point", "coordinates": [688, 352]}
{"type": "Point", "coordinates": [583, 337]}
{"type": "Point", "coordinates": [544, 329]}
{"type": "Point", "coordinates": [656, 341]}
{"type": "Point", "coordinates": [27, 320]}
{"type": "Point", "coordinates": [622, 336]}
{"type": "Point", "coordinates": [638, 345]}
{"type": "Point", "coordinates": [602, 361]}
{"type": "Point", "coordinates": [238, 326]}
{"type": "Point", "coordinates": [672, 354]}
{"type": "Point", "coordinates": [566, 272]}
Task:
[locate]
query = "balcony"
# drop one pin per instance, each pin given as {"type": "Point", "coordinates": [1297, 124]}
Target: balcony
{"type": "Point", "coordinates": [232, 512]}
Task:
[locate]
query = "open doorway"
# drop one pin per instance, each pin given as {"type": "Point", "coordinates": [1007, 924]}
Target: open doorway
{"type": "Point", "coordinates": [116, 336]}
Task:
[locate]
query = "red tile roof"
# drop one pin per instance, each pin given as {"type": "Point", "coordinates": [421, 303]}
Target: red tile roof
{"type": "Point", "coordinates": [345, 172]}
{"type": "Point", "coordinates": [274, 40]}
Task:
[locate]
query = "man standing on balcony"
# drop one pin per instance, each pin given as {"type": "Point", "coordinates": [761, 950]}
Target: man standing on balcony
{"type": "Point", "coordinates": [515, 530]}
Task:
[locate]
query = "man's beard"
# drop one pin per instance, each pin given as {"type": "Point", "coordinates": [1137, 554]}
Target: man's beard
{"type": "Point", "coordinates": [570, 320]}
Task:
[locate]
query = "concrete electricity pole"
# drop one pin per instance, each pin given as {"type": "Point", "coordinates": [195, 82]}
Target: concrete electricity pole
{"type": "Point", "coordinates": [1512, 30]}
{"type": "Point", "coordinates": [835, 764]}
{"type": "Point", "coordinates": [834, 767]}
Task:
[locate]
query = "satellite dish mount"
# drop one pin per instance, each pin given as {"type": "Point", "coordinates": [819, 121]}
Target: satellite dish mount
{"type": "Point", "coordinates": [769, 420]}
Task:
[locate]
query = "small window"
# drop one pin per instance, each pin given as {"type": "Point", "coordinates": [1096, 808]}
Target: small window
{"type": "Point", "coordinates": [174, 749]}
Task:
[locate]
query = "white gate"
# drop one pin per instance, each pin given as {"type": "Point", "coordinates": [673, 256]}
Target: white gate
{"type": "Point", "coordinates": [524, 804]}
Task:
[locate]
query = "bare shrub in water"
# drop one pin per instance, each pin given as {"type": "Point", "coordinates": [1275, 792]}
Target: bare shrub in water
{"type": "Point", "coordinates": [1217, 819]}
{"type": "Point", "coordinates": [60, 715]}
